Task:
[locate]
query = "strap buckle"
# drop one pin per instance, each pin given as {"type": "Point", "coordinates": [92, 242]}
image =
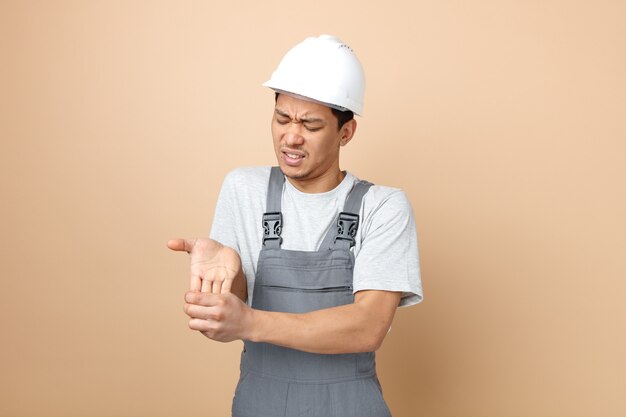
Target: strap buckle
{"type": "Point", "coordinates": [347, 225]}
{"type": "Point", "coordinates": [272, 227]}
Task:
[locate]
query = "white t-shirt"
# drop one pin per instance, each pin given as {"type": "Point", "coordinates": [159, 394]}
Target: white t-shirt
{"type": "Point", "coordinates": [386, 253]}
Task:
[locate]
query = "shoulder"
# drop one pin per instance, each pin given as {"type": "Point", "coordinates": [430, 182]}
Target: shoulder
{"type": "Point", "coordinates": [245, 185]}
{"type": "Point", "coordinates": [384, 201]}
{"type": "Point", "coordinates": [247, 177]}
{"type": "Point", "coordinates": [240, 204]}
{"type": "Point", "coordinates": [380, 195]}
{"type": "Point", "coordinates": [385, 209]}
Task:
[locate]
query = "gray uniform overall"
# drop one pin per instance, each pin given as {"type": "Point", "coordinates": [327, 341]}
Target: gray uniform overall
{"type": "Point", "coordinates": [280, 382]}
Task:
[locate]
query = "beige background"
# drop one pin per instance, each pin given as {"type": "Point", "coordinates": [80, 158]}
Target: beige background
{"type": "Point", "coordinates": [502, 120]}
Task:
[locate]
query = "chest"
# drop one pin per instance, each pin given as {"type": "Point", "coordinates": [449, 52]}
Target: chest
{"type": "Point", "coordinates": [305, 223]}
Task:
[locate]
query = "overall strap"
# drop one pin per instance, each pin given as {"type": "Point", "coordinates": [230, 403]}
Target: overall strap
{"type": "Point", "coordinates": [272, 218]}
{"type": "Point", "coordinates": [341, 234]}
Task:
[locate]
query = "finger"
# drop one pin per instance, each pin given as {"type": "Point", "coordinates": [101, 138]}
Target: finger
{"type": "Point", "coordinates": [195, 311]}
{"type": "Point", "coordinates": [196, 283]}
{"type": "Point", "coordinates": [202, 298]}
{"type": "Point", "coordinates": [200, 324]}
{"type": "Point", "coordinates": [180, 245]}
{"type": "Point", "coordinates": [206, 285]}
{"type": "Point", "coordinates": [217, 286]}
{"type": "Point", "coordinates": [227, 286]}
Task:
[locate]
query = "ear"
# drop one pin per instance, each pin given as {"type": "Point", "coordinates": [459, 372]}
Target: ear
{"type": "Point", "coordinates": [347, 132]}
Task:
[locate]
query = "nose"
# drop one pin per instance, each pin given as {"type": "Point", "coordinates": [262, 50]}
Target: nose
{"type": "Point", "coordinates": [293, 134]}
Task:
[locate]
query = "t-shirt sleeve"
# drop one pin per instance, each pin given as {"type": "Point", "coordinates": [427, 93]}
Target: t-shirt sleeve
{"type": "Point", "coordinates": [223, 226]}
{"type": "Point", "coordinates": [388, 258]}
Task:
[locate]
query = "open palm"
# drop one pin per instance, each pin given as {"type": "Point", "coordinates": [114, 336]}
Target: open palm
{"type": "Point", "coordinates": [214, 266]}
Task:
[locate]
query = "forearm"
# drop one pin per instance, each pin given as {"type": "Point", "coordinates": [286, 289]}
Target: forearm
{"type": "Point", "coordinates": [357, 327]}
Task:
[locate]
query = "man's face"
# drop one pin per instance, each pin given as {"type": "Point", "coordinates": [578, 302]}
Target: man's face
{"type": "Point", "coordinates": [306, 139]}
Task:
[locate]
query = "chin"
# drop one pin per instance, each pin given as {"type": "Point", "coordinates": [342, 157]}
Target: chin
{"type": "Point", "coordinates": [293, 172]}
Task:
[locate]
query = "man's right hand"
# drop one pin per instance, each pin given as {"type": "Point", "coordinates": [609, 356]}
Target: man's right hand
{"type": "Point", "coordinates": [215, 268]}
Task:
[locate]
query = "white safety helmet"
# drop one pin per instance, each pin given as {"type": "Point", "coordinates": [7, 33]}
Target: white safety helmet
{"type": "Point", "coordinates": [322, 69]}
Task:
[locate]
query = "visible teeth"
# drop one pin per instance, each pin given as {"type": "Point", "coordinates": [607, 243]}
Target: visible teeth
{"type": "Point", "coordinates": [294, 156]}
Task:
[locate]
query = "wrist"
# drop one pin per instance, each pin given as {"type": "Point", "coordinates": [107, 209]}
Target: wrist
{"type": "Point", "coordinates": [251, 326]}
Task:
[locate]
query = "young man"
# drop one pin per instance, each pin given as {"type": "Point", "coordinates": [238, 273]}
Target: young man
{"type": "Point", "coordinates": [322, 258]}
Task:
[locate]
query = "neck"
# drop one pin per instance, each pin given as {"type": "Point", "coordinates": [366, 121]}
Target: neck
{"type": "Point", "coordinates": [321, 184]}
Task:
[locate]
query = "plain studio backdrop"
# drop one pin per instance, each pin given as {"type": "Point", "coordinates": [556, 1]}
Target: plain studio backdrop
{"type": "Point", "coordinates": [504, 122]}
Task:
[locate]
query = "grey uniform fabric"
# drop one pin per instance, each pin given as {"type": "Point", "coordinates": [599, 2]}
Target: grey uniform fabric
{"type": "Point", "coordinates": [280, 382]}
{"type": "Point", "coordinates": [386, 249]}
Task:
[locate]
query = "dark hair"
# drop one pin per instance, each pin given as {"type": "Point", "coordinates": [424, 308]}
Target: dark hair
{"type": "Point", "coordinates": [342, 116]}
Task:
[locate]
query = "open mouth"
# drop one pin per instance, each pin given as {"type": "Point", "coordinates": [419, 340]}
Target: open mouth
{"type": "Point", "coordinates": [292, 159]}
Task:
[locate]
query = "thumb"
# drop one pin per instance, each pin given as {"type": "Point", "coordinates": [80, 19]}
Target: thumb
{"type": "Point", "coordinates": [180, 245]}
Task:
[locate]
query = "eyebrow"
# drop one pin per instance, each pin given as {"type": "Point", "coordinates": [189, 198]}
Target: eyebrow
{"type": "Point", "coordinates": [304, 119]}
